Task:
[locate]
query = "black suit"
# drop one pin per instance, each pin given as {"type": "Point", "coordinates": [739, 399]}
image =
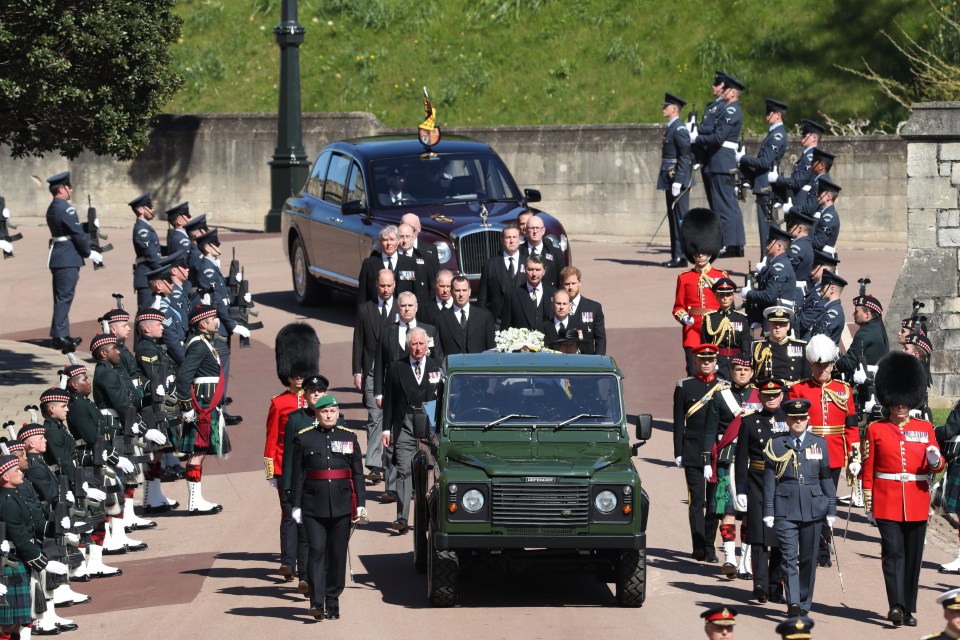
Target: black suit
{"type": "Point", "coordinates": [428, 312]}
{"type": "Point", "coordinates": [366, 334]}
{"type": "Point", "coordinates": [478, 337]}
{"type": "Point", "coordinates": [496, 281]}
{"type": "Point", "coordinates": [552, 261]}
{"type": "Point", "coordinates": [519, 311]}
{"type": "Point", "coordinates": [404, 273]}
{"type": "Point", "coordinates": [425, 267]}
{"type": "Point", "coordinates": [389, 350]}
{"type": "Point", "coordinates": [550, 335]}
{"type": "Point", "coordinates": [589, 313]}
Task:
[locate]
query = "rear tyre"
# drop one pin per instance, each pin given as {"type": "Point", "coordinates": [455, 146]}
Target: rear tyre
{"type": "Point", "coordinates": [443, 577]}
{"type": "Point", "coordinates": [632, 578]}
{"type": "Point", "coordinates": [306, 289]}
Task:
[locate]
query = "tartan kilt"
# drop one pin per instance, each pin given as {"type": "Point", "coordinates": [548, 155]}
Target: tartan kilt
{"type": "Point", "coordinates": [17, 609]}
{"type": "Point", "coordinates": [951, 488]}
{"type": "Point", "coordinates": [189, 431]}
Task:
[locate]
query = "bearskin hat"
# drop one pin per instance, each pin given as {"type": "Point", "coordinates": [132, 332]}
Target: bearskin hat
{"type": "Point", "coordinates": [700, 232]}
{"type": "Point", "coordinates": [900, 380]}
{"type": "Point", "coordinates": [822, 349]}
{"type": "Point", "coordinates": [298, 352]}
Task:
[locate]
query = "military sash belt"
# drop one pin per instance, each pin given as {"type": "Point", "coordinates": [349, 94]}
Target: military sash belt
{"type": "Point", "coordinates": [728, 352]}
{"type": "Point", "coordinates": [730, 144]}
{"type": "Point", "coordinates": [757, 465]}
{"type": "Point", "coordinates": [828, 429]}
{"type": "Point", "coordinates": [719, 386]}
{"type": "Point", "coordinates": [330, 474]}
{"type": "Point", "coordinates": [900, 477]}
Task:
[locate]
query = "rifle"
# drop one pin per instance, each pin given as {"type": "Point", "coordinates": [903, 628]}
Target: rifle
{"type": "Point", "coordinates": [5, 224]}
{"type": "Point", "coordinates": [57, 548]}
{"type": "Point", "coordinates": [92, 228]}
{"type": "Point", "coordinates": [240, 308]}
{"type": "Point", "coordinates": [114, 503]}
{"type": "Point", "coordinates": [91, 511]}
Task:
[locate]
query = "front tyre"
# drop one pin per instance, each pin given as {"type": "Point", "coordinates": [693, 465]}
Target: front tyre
{"type": "Point", "coordinates": [443, 576]}
{"type": "Point", "coordinates": [632, 578]}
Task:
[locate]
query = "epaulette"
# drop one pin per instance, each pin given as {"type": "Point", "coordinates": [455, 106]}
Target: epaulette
{"type": "Point", "coordinates": [342, 428]}
{"type": "Point", "coordinates": [723, 385]}
{"type": "Point", "coordinates": [798, 341]}
{"type": "Point", "coordinates": [682, 380]}
{"type": "Point", "coordinates": [305, 429]}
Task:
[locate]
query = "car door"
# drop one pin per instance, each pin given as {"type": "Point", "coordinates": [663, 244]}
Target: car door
{"type": "Point", "coordinates": [310, 222]}
{"type": "Point", "coordinates": [340, 238]}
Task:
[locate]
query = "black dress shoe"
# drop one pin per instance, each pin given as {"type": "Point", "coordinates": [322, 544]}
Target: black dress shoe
{"type": "Point", "coordinates": [909, 620]}
{"type": "Point", "coordinates": [114, 552]}
{"type": "Point", "coordinates": [676, 263]}
{"type": "Point", "coordinates": [170, 475]}
{"type": "Point", "coordinates": [150, 524]}
{"type": "Point", "coordinates": [332, 614]}
{"type": "Point", "coordinates": [316, 612]}
{"type": "Point", "coordinates": [794, 610]}
{"type": "Point", "coordinates": [135, 547]}
{"type": "Point", "coordinates": [711, 557]}
{"type": "Point", "coordinates": [760, 594]}
{"type": "Point", "coordinates": [775, 595]}
{"type": "Point", "coordinates": [65, 345]}
{"type": "Point", "coordinates": [232, 420]}
{"type": "Point", "coordinates": [303, 587]}
{"type": "Point", "coordinates": [743, 575]}
{"type": "Point", "coordinates": [374, 476]}
{"type": "Point", "coordinates": [40, 631]}
{"type": "Point", "coordinates": [67, 627]}
{"type": "Point", "coordinates": [148, 510]}
{"type": "Point", "coordinates": [824, 561]}
{"type": "Point", "coordinates": [208, 512]}
{"type": "Point", "coordinates": [895, 615]}
{"type": "Point", "coordinates": [388, 496]}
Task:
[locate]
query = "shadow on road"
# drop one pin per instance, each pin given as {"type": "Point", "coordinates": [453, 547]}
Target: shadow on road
{"type": "Point", "coordinates": [341, 310]}
{"type": "Point", "coordinates": [22, 368]}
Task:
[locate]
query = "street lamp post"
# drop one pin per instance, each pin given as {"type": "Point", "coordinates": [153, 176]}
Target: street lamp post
{"type": "Point", "coordinates": [288, 168]}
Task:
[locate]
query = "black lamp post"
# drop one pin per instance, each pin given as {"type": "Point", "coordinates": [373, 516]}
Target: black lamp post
{"type": "Point", "coordinates": [289, 166]}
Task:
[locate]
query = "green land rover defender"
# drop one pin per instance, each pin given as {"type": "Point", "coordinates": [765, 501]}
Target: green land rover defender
{"type": "Point", "coordinates": [529, 459]}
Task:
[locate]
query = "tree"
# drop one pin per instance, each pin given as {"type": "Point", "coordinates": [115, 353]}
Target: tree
{"type": "Point", "coordinates": [80, 75]}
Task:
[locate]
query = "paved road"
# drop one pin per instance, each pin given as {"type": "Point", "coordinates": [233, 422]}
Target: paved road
{"type": "Point", "coordinates": [214, 575]}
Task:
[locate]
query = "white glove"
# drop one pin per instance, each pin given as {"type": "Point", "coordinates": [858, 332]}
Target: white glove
{"type": "Point", "coordinates": [831, 520]}
{"type": "Point", "coordinates": [94, 494]}
{"type": "Point", "coordinates": [915, 413]}
{"type": "Point", "coordinates": [160, 391]}
{"type": "Point", "coordinates": [239, 277]}
{"type": "Point", "coordinates": [125, 465]}
{"type": "Point", "coordinates": [679, 461]}
{"type": "Point", "coordinates": [70, 497]}
{"type": "Point", "coordinates": [742, 151]}
{"type": "Point", "coordinates": [272, 482]}
{"type": "Point", "coordinates": [744, 291]}
{"type": "Point", "coordinates": [869, 405]}
{"type": "Point", "coordinates": [696, 166]}
{"type": "Point", "coordinates": [693, 135]}
{"type": "Point", "coordinates": [56, 568]}
{"type": "Point", "coordinates": [96, 222]}
{"type": "Point", "coordinates": [6, 213]}
{"type": "Point", "coordinates": [241, 331]}
{"type": "Point", "coordinates": [297, 516]}
{"type": "Point", "coordinates": [854, 468]}
{"type": "Point", "coordinates": [691, 126]}
{"type": "Point", "coordinates": [247, 297]}
{"type": "Point", "coordinates": [675, 189]}
{"type": "Point", "coordinates": [761, 265]}
{"type": "Point", "coordinates": [3, 589]}
{"type": "Point", "coordinates": [707, 472]}
{"type": "Point", "coordinates": [136, 428]}
{"type": "Point", "coordinates": [362, 515]}
{"type": "Point", "coordinates": [96, 257]}
{"type": "Point", "coordinates": [859, 376]}
{"type": "Point", "coordinates": [772, 176]}
{"type": "Point", "coordinates": [933, 455]}
{"type": "Point", "coordinates": [687, 320]}
{"type": "Point", "coordinates": [171, 379]}
{"type": "Point", "coordinates": [72, 539]}
{"type": "Point", "coordinates": [742, 500]}
{"type": "Point", "coordinates": [65, 522]}
{"type": "Point", "coordinates": [5, 546]}
{"type": "Point", "coordinates": [188, 416]}
{"type": "Point", "coordinates": [155, 436]}
{"type": "Point", "coordinates": [6, 247]}
{"type": "Point", "coordinates": [768, 522]}
{"type": "Point", "coordinates": [104, 456]}
{"type": "Point", "coordinates": [788, 205]}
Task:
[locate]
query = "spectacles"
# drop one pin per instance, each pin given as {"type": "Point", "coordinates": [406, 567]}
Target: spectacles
{"type": "Point", "coordinates": [537, 229]}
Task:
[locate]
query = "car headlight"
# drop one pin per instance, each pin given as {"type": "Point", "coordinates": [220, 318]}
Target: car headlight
{"type": "Point", "coordinates": [605, 502]}
{"type": "Point", "coordinates": [443, 251]}
{"type": "Point", "coordinates": [563, 242]}
{"type": "Point", "coordinates": [472, 501]}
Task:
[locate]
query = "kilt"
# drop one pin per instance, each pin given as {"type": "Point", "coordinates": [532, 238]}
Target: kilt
{"type": "Point", "coordinates": [951, 488]}
{"type": "Point", "coordinates": [190, 439]}
{"type": "Point", "coordinates": [722, 502]}
{"type": "Point", "coordinates": [17, 609]}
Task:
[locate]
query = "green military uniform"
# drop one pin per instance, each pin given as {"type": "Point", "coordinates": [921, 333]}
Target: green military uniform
{"type": "Point", "coordinates": [199, 376]}
{"type": "Point", "coordinates": [61, 448]}
{"type": "Point", "coordinates": [44, 480]}
{"type": "Point", "coordinates": [129, 364]}
{"type": "Point", "coordinates": [26, 525]}
{"type": "Point", "coordinates": [87, 425]}
{"type": "Point", "coordinates": [870, 341]}
{"type": "Point", "coordinates": [113, 390]}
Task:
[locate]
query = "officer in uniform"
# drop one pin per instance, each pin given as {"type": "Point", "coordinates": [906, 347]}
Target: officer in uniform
{"type": "Point", "coordinates": [707, 124]}
{"type": "Point", "coordinates": [726, 327]}
{"type": "Point", "coordinates": [796, 628]}
{"type": "Point", "coordinates": [869, 344]}
{"type": "Point", "coordinates": [756, 430]}
{"type": "Point", "coordinates": [779, 355]}
{"type": "Point", "coordinates": [899, 453]}
{"type": "Point", "coordinates": [826, 230]}
{"type": "Point", "coordinates": [951, 613]}
{"type": "Point", "coordinates": [327, 493]}
{"type": "Point", "coordinates": [806, 200]}
{"type": "Point", "coordinates": [776, 278]}
{"type": "Point", "coordinates": [823, 314]}
{"type": "Point", "coordinates": [177, 237]}
{"type": "Point", "coordinates": [676, 174]}
{"type": "Point", "coordinates": [194, 227]}
{"type": "Point", "coordinates": [786, 187]}
{"type": "Point", "coordinates": [720, 147]}
{"type": "Point", "coordinates": [146, 245]}
{"type": "Point", "coordinates": [117, 323]}
{"type": "Point", "coordinates": [757, 168]}
{"type": "Point", "coordinates": [801, 248]}
{"type": "Point", "coordinates": [718, 622]}
{"type": "Point", "coordinates": [69, 245]}
{"type": "Point", "coordinates": [798, 493]}
{"type": "Point", "coordinates": [691, 397]}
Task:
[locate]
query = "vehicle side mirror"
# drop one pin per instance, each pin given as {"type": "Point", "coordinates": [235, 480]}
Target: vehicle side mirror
{"type": "Point", "coordinates": [421, 425]}
{"type": "Point", "coordinates": [352, 208]}
{"type": "Point", "coordinates": [644, 427]}
{"type": "Point", "coordinates": [532, 195]}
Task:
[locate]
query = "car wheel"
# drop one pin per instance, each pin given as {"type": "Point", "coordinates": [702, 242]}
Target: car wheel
{"type": "Point", "coordinates": [443, 576]}
{"type": "Point", "coordinates": [306, 289]}
{"type": "Point", "coordinates": [632, 578]}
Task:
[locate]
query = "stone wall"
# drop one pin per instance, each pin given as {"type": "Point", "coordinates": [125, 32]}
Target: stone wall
{"type": "Point", "coordinates": [599, 180]}
{"type": "Point", "coordinates": [930, 268]}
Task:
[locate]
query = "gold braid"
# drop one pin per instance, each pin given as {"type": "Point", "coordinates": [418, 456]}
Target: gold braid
{"type": "Point", "coordinates": [721, 330]}
{"type": "Point", "coordinates": [782, 461]}
{"type": "Point", "coordinates": [835, 397]}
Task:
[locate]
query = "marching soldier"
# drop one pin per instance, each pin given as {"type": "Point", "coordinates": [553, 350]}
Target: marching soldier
{"type": "Point", "coordinates": [146, 245]}
{"type": "Point", "coordinates": [899, 452]}
{"type": "Point", "coordinates": [718, 622]}
{"type": "Point", "coordinates": [757, 168]}
{"type": "Point", "coordinates": [726, 327]}
{"type": "Point", "coordinates": [69, 246]}
{"type": "Point", "coordinates": [798, 493]}
{"type": "Point", "coordinates": [676, 174]}
{"type": "Point", "coordinates": [833, 416]}
{"type": "Point", "coordinates": [779, 355]}
{"type": "Point", "coordinates": [826, 231]}
{"type": "Point", "coordinates": [776, 278]}
{"type": "Point", "coordinates": [690, 400]}
{"type": "Point", "coordinates": [328, 493]}
{"type": "Point", "coordinates": [695, 298]}
{"type": "Point", "coordinates": [951, 613]}
{"type": "Point", "coordinates": [756, 430]}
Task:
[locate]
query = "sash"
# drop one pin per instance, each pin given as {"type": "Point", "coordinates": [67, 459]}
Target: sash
{"type": "Point", "coordinates": [719, 386]}
{"type": "Point", "coordinates": [731, 432]}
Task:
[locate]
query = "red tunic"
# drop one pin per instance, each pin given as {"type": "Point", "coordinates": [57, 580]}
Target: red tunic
{"type": "Point", "coordinates": [833, 416]}
{"type": "Point", "coordinates": [695, 298]}
{"type": "Point", "coordinates": [894, 449]}
{"type": "Point", "coordinates": [280, 407]}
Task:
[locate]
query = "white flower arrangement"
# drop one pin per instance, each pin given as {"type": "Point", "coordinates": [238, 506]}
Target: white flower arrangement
{"type": "Point", "coordinates": [513, 339]}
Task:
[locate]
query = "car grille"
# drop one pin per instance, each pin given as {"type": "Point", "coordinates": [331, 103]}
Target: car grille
{"type": "Point", "coordinates": [475, 249]}
{"type": "Point", "coordinates": [554, 505]}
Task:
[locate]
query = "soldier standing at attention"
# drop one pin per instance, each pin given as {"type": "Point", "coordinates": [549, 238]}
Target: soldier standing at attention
{"type": "Point", "coordinates": [798, 493]}
{"type": "Point", "coordinates": [177, 237]}
{"type": "Point", "coordinates": [707, 123]}
{"type": "Point", "coordinates": [757, 168]}
{"type": "Point", "coordinates": [695, 298]}
{"type": "Point", "coordinates": [146, 245]}
{"type": "Point", "coordinates": [776, 278]}
{"type": "Point", "coordinates": [869, 343]}
{"type": "Point", "coordinates": [676, 175]}
{"type": "Point", "coordinates": [69, 245]}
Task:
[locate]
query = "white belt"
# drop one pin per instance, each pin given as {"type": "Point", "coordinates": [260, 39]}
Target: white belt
{"type": "Point", "coordinates": [828, 249]}
{"type": "Point", "coordinates": [207, 380]}
{"type": "Point", "coordinates": [872, 368]}
{"type": "Point", "coordinates": [60, 239]}
{"type": "Point", "coordinates": [731, 145]}
{"type": "Point", "coordinates": [900, 477]}
{"type": "Point", "coordinates": [110, 412]}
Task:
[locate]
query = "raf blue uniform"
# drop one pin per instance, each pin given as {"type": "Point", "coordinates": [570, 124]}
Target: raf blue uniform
{"type": "Point", "coordinates": [826, 229]}
{"type": "Point", "coordinates": [69, 246]}
{"type": "Point", "coordinates": [805, 200]}
{"type": "Point", "coordinates": [146, 246]}
{"type": "Point", "coordinates": [756, 168]}
{"type": "Point", "coordinates": [174, 330]}
{"type": "Point", "coordinates": [800, 254]}
{"type": "Point", "coordinates": [777, 280]}
{"type": "Point", "coordinates": [720, 147]}
{"type": "Point", "coordinates": [675, 159]}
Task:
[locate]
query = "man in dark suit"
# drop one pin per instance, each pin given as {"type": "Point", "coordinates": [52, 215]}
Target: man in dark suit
{"type": "Point", "coordinates": [528, 305]}
{"type": "Point", "coordinates": [442, 298]}
{"type": "Point", "coordinates": [425, 266]}
{"type": "Point", "coordinates": [409, 383]}
{"type": "Point", "coordinates": [501, 273]}
{"type": "Point", "coordinates": [371, 317]}
{"type": "Point", "coordinates": [387, 257]}
{"type": "Point", "coordinates": [465, 328]}
{"type": "Point", "coordinates": [550, 254]}
{"type": "Point", "coordinates": [393, 340]}
{"type": "Point", "coordinates": [588, 312]}
{"type": "Point", "coordinates": [428, 249]}
{"type": "Point", "coordinates": [563, 326]}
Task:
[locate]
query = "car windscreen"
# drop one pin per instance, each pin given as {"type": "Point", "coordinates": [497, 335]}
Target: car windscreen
{"type": "Point", "coordinates": [553, 398]}
{"type": "Point", "coordinates": [442, 179]}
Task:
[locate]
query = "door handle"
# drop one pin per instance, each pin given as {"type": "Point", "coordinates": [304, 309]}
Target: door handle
{"type": "Point", "coordinates": [337, 220]}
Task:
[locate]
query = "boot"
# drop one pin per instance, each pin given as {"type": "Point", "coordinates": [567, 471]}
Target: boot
{"type": "Point", "coordinates": [153, 498]}
{"type": "Point", "coordinates": [26, 632]}
{"type": "Point", "coordinates": [196, 505]}
{"type": "Point", "coordinates": [80, 573]}
{"type": "Point", "coordinates": [111, 546]}
{"type": "Point", "coordinates": [64, 596]}
{"type": "Point", "coordinates": [50, 621]}
{"type": "Point", "coordinates": [95, 566]}
{"type": "Point", "coordinates": [729, 567]}
{"type": "Point", "coordinates": [951, 567]}
{"type": "Point", "coordinates": [131, 521]}
{"type": "Point", "coordinates": [120, 535]}
{"type": "Point", "coordinates": [745, 570]}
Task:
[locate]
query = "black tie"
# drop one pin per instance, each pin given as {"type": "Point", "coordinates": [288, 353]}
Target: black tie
{"type": "Point", "coordinates": [796, 443]}
{"type": "Point", "coordinates": [383, 311]}
{"type": "Point", "coordinates": [463, 319]}
{"type": "Point", "coordinates": [563, 328]}
{"type": "Point", "coordinates": [512, 269]}
{"type": "Point", "coordinates": [390, 263]}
